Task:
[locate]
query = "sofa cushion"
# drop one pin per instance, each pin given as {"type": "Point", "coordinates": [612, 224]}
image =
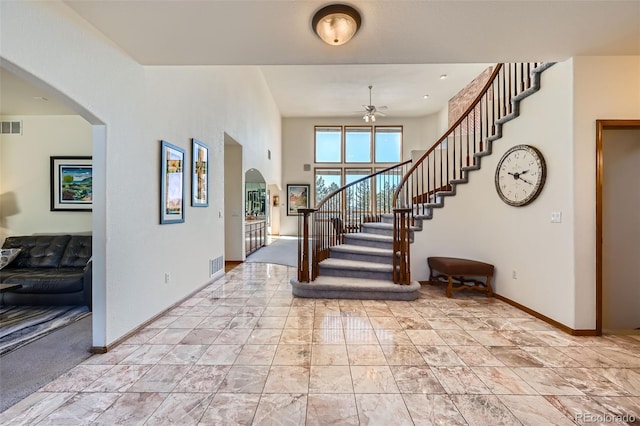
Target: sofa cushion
{"type": "Point", "coordinates": [38, 251]}
{"type": "Point", "coordinates": [7, 256]}
{"type": "Point", "coordinates": [54, 280]}
{"type": "Point", "coordinates": [77, 253]}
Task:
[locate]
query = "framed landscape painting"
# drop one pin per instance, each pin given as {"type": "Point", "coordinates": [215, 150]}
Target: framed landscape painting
{"type": "Point", "coordinates": [171, 183]}
{"type": "Point", "coordinates": [200, 174]}
{"type": "Point", "coordinates": [71, 183]}
{"type": "Point", "coordinates": [297, 198]}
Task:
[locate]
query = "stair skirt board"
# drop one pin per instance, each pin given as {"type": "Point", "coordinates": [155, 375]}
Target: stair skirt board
{"type": "Point", "coordinates": [348, 288]}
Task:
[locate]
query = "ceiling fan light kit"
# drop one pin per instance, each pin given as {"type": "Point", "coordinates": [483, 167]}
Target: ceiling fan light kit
{"type": "Point", "coordinates": [371, 110]}
{"type": "Point", "coordinates": [336, 24]}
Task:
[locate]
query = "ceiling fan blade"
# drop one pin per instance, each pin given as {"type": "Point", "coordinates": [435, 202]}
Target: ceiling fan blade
{"type": "Point", "coordinates": [382, 107]}
{"type": "Point", "coordinates": [382, 114]}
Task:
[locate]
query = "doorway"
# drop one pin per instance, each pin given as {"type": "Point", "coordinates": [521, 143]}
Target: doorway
{"type": "Point", "coordinates": [617, 226]}
{"type": "Point", "coordinates": [233, 199]}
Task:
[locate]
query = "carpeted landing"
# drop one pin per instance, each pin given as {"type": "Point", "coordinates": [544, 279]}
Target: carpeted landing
{"type": "Point", "coordinates": [20, 325]}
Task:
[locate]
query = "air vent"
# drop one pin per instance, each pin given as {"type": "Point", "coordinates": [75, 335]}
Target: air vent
{"type": "Point", "coordinates": [215, 265]}
{"type": "Point", "coordinates": [11, 127]}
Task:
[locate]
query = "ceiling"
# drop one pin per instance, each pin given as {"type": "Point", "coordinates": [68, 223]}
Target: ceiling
{"type": "Point", "coordinates": [401, 49]}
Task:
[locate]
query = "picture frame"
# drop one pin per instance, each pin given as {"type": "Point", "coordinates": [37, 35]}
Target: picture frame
{"type": "Point", "coordinates": [71, 183]}
{"type": "Point", "coordinates": [297, 198]}
{"type": "Point", "coordinates": [171, 183]}
{"type": "Point", "coordinates": [199, 174]}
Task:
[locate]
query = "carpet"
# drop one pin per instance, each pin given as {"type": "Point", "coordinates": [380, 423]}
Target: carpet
{"type": "Point", "coordinates": [283, 251]}
{"type": "Point", "coordinates": [20, 325]}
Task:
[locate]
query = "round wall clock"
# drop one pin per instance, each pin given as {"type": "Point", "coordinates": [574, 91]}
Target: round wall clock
{"type": "Point", "coordinates": [520, 175]}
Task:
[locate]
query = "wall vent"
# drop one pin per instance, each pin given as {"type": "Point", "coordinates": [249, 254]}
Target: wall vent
{"type": "Point", "coordinates": [11, 127]}
{"type": "Point", "coordinates": [215, 265]}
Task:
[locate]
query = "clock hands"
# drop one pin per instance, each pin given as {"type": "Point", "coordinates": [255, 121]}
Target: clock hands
{"type": "Point", "coordinates": [517, 176]}
{"type": "Point", "coordinates": [526, 181]}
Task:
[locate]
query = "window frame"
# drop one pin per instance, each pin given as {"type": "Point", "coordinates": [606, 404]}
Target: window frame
{"type": "Point", "coordinates": [315, 143]}
{"type": "Point", "coordinates": [343, 166]}
{"type": "Point", "coordinates": [371, 130]}
{"type": "Point", "coordinates": [375, 131]}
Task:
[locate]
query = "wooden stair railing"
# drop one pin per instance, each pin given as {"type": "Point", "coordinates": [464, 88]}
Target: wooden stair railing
{"type": "Point", "coordinates": [458, 151]}
{"type": "Point", "coordinates": [344, 211]}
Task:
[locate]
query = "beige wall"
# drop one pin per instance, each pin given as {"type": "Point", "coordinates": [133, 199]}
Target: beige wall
{"type": "Point", "coordinates": [603, 88]}
{"type": "Point", "coordinates": [25, 174]}
{"type": "Point", "coordinates": [621, 229]}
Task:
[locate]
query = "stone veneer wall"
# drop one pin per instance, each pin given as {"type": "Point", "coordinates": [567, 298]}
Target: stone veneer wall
{"type": "Point", "coordinates": [460, 102]}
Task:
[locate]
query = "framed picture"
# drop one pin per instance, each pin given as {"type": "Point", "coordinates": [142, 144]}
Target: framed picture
{"type": "Point", "coordinates": [200, 174]}
{"type": "Point", "coordinates": [71, 183]}
{"type": "Point", "coordinates": [297, 198]}
{"type": "Point", "coordinates": [171, 183]}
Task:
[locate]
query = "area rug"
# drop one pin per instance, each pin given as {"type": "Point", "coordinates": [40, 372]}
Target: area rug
{"type": "Point", "coordinates": [20, 325]}
{"type": "Point", "coordinates": [283, 251]}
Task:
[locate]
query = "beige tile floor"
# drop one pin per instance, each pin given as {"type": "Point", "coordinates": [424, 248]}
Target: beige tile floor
{"type": "Point", "coordinates": [244, 351]}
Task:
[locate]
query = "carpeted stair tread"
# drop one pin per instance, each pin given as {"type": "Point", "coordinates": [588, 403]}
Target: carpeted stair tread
{"type": "Point", "coordinates": [355, 265]}
{"type": "Point", "coordinates": [371, 237]}
{"type": "Point", "coordinates": [351, 248]}
{"type": "Point", "coordinates": [355, 288]}
{"type": "Point", "coordinates": [384, 225]}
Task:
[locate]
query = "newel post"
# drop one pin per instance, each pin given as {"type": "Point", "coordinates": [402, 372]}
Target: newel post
{"type": "Point", "coordinates": [401, 241]}
{"type": "Point", "coordinates": [303, 244]}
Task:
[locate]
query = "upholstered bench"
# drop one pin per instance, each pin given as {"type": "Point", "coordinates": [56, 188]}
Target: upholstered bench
{"type": "Point", "coordinates": [453, 268]}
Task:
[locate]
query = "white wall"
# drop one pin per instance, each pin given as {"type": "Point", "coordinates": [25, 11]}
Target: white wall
{"type": "Point", "coordinates": [555, 263]}
{"type": "Point", "coordinates": [140, 106]}
{"type": "Point", "coordinates": [476, 224]}
{"type": "Point", "coordinates": [298, 149]}
{"type": "Point", "coordinates": [25, 172]}
{"type": "Point", "coordinates": [620, 229]}
{"type": "Point", "coordinates": [604, 88]}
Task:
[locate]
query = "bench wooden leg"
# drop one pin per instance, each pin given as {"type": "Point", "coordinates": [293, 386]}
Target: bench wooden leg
{"type": "Point", "coordinates": [449, 286]}
{"type": "Point", "coordinates": [489, 289]}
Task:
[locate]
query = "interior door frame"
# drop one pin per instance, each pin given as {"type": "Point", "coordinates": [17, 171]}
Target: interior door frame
{"type": "Point", "coordinates": [602, 125]}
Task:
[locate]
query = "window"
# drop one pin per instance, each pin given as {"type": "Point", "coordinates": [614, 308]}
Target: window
{"type": "Point", "coordinates": [328, 144]}
{"type": "Point", "coordinates": [388, 143]}
{"type": "Point", "coordinates": [357, 144]}
{"type": "Point", "coordinates": [386, 185]}
{"type": "Point", "coordinates": [370, 147]}
{"type": "Point", "coordinates": [359, 196]}
{"type": "Point", "coordinates": [327, 181]}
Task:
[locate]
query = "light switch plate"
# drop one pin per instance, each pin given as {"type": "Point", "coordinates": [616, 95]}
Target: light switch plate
{"type": "Point", "coordinates": [556, 217]}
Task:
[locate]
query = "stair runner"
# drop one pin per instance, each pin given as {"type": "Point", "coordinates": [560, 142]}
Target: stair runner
{"type": "Point", "coordinates": [361, 267]}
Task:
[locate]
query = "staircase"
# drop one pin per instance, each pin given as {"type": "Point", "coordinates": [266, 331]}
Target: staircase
{"type": "Point", "coordinates": [361, 235]}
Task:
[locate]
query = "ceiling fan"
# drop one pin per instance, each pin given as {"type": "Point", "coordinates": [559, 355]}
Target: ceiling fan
{"type": "Point", "coordinates": [370, 111]}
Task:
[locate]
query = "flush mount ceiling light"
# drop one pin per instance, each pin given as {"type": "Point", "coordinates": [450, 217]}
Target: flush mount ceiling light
{"type": "Point", "coordinates": [336, 24]}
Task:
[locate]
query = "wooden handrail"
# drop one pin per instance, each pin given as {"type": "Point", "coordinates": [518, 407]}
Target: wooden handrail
{"type": "Point", "coordinates": [415, 191]}
{"type": "Point", "coordinates": [343, 188]}
{"type": "Point", "coordinates": [344, 211]}
{"type": "Point", "coordinates": [451, 129]}
{"type": "Point", "coordinates": [457, 151]}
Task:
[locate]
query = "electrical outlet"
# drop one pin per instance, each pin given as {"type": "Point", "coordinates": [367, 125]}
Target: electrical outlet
{"type": "Point", "coordinates": [167, 278]}
{"type": "Point", "coordinates": [514, 274]}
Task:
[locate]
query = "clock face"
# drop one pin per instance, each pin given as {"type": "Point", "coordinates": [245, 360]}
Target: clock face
{"type": "Point", "coordinates": [520, 175]}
